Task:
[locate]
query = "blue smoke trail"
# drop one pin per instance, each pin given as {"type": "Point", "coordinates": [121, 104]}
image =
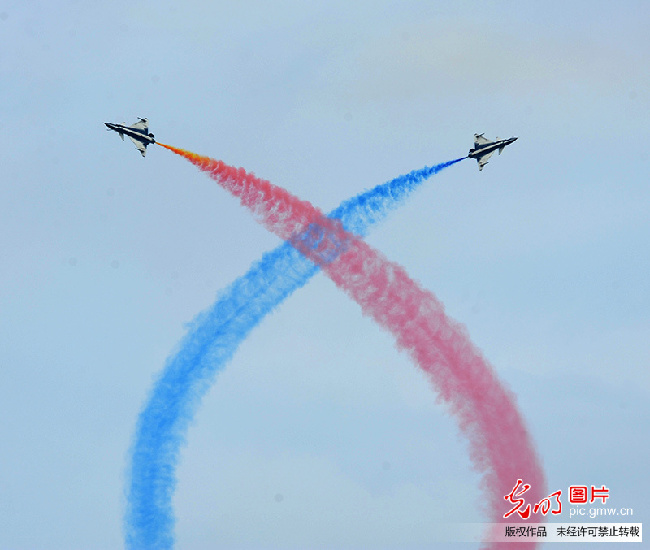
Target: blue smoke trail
{"type": "Point", "coordinates": [211, 341]}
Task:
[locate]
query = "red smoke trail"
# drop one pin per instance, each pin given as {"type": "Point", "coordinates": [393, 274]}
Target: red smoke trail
{"type": "Point", "coordinates": [500, 446]}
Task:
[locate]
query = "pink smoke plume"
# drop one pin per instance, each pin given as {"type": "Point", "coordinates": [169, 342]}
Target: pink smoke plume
{"type": "Point", "coordinates": [500, 445]}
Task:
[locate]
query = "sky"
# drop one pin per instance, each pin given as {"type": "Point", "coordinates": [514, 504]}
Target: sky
{"type": "Point", "coordinates": [319, 433]}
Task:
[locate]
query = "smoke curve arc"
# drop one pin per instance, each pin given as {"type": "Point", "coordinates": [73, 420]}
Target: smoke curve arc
{"type": "Point", "coordinates": [500, 446]}
{"type": "Point", "coordinates": [211, 340]}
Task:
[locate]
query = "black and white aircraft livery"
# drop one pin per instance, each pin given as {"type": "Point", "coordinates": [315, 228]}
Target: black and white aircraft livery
{"type": "Point", "coordinates": [138, 133]}
{"type": "Point", "coordinates": [484, 148]}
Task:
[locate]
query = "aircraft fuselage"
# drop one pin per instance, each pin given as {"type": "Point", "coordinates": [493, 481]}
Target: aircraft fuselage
{"type": "Point", "coordinates": [134, 133]}
{"type": "Point", "coordinates": [480, 150]}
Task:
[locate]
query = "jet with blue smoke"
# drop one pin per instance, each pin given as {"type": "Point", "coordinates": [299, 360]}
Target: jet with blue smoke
{"type": "Point", "coordinates": [212, 339]}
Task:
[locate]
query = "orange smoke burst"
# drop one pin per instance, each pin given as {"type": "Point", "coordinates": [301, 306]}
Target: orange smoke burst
{"type": "Point", "coordinates": [198, 160]}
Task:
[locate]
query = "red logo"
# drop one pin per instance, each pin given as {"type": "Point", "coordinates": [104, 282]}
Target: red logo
{"type": "Point", "coordinates": [603, 493]}
{"type": "Point", "coordinates": [543, 505]}
{"type": "Point", "coordinates": [519, 502]}
{"type": "Point", "coordinates": [578, 494]}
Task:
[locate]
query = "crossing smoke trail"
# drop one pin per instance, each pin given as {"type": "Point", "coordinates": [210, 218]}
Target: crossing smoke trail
{"type": "Point", "coordinates": [211, 341]}
{"type": "Point", "coordinates": [500, 446]}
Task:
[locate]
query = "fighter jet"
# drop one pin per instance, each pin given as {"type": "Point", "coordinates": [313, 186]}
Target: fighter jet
{"type": "Point", "coordinates": [484, 148]}
{"type": "Point", "coordinates": [138, 133]}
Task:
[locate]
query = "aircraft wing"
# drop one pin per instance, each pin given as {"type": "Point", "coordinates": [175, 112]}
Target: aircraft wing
{"type": "Point", "coordinates": [480, 140]}
{"type": "Point", "coordinates": [142, 125]}
{"type": "Point", "coordinates": [483, 160]}
{"type": "Point", "coordinates": [140, 146]}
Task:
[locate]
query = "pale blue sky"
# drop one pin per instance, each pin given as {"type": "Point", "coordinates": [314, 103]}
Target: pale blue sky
{"type": "Point", "coordinates": [106, 256]}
